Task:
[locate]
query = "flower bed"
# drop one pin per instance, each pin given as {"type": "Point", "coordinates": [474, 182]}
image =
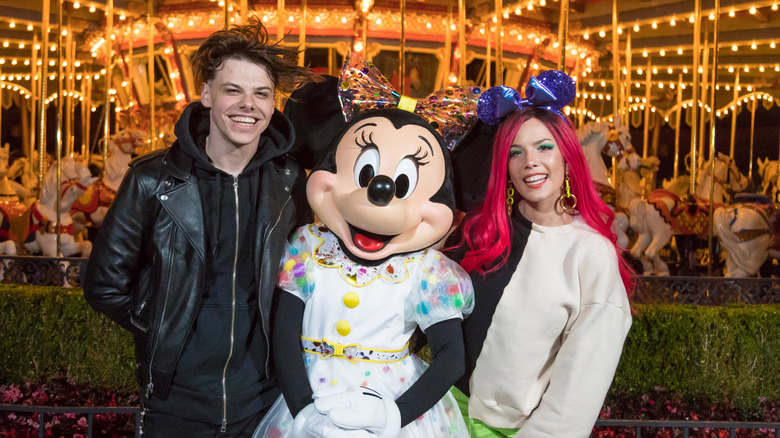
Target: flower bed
{"type": "Point", "coordinates": [63, 392]}
{"type": "Point", "coordinates": [662, 404]}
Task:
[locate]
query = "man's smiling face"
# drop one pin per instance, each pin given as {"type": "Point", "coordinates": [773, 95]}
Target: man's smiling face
{"type": "Point", "coordinates": [241, 98]}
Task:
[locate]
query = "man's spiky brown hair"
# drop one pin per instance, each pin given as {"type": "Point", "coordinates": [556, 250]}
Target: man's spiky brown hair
{"type": "Point", "coordinates": [250, 43]}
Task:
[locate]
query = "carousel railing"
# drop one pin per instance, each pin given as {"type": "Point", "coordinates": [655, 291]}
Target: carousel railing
{"type": "Point", "coordinates": [42, 271]}
{"type": "Point", "coordinates": [709, 428]}
{"type": "Point", "coordinates": [641, 428]}
{"type": "Point", "coordinates": [712, 291]}
{"type": "Point", "coordinates": [90, 411]}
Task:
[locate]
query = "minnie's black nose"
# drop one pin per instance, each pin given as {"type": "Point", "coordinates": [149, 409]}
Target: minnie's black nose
{"type": "Point", "coordinates": [381, 190]}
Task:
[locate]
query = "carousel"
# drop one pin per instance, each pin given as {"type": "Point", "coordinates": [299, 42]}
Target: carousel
{"type": "Point", "coordinates": [675, 110]}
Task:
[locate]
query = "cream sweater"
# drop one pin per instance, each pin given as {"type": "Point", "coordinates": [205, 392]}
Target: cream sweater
{"type": "Point", "coordinates": [556, 336]}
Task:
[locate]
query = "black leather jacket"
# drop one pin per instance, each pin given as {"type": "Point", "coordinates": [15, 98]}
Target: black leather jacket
{"type": "Point", "coordinates": [146, 270]}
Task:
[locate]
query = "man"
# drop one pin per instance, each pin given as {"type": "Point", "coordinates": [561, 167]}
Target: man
{"type": "Point", "coordinates": [188, 255]}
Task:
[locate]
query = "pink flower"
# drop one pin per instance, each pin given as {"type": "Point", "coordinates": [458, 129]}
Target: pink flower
{"type": "Point", "coordinates": [82, 422]}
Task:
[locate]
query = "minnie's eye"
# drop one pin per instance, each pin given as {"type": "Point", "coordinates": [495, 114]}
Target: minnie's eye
{"type": "Point", "coordinates": [366, 166]}
{"type": "Point", "coordinates": [405, 178]}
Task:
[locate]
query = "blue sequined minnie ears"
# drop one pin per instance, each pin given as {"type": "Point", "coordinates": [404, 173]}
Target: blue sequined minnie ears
{"type": "Point", "coordinates": [551, 90]}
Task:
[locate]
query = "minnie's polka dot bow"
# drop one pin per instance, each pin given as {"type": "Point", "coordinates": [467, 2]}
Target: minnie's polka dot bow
{"type": "Point", "coordinates": [452, 111]}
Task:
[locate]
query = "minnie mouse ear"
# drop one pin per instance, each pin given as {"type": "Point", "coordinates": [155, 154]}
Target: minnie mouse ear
{"type": "Point", "coordinates": [315, 113]}
{"type": "Point", "coordinates": [471, 166]}
{"type": "Point", "coordinates": [562, 86]}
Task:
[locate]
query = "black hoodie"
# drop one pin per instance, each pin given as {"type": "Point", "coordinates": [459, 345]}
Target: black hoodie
{"type": "Point", "coordinates": [230, 219]}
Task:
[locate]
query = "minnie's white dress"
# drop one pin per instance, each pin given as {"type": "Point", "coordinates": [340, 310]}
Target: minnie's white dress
{"type": "Point", "coordinates": [358, 320]}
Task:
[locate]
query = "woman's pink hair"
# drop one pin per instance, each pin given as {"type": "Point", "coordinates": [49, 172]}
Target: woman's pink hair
{"type": "Point", "coordinates": [487, 230]}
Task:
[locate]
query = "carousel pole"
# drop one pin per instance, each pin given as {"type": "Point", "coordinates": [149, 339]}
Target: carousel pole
{"type": "Point", "coordinates": [109, 74]}
{"type": "Point", "coordinates": [243, 8]}
{"type": "Point", "coordinates": [499, 42]}
{"type": "Point", "coordinates": [462, 42]}
{"type": "Point", "coordinates": [448, 46]}
{"type": "Point", "coordinates": [301, 31]}
{"type": "Point", "coordinates": [627, 92]}
{"type": "Point", "coordinates": [226, 13]}
{"type": "Point", "coordinates": [87, 111]}
{"type": "Point", "coordinates": [734, 115]}
{"type": "Point", "coordinates": [615, 82]}
{"type": "Point", "coordinates": [83, 113]}
{"type": "Point", "coordinates": [695, 99]}
{"type": "Point", "coordinates": [60, 109]}
{"type": "Point", "coordinates": [713, 119]}
{"type": "Point", "coordinates": [752, 136]}
{"type": "Point", "coordinates": [487, 54]}
{"type": "Point", "coordinates": [71, 88]}
{"type": "Point", "coordinates": [150, 71]}
{"type": "Point", "coordinates": [279, 36]}
{"type": "Point", "coordinates": [401, 51]}
{"type": "Point", "coordinates": [677, 120]}
{"type": "Point", "coordinates": [563, 30]}
{"type": "Point", "coordinates": [646, 127]}
{"type": "Point", "coordinates": [34, 100]}
{"type": "Point", "coordinates": [44, 80]}
{"type": "Point", "coordinates": [705, 81]}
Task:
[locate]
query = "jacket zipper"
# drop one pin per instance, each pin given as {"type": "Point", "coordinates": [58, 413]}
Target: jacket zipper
{"type": "Point", "coordinates": [150, 385]}
{"type": "Point", "coordinates": [260, 282]}
{"type": "Point", "coordinates": [223, 429]}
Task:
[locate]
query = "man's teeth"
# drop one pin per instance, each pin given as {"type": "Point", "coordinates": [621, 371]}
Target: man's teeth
{"type": "Point", "coordinates": [248, 120]}
{"type": "Point", "coordinates": [535, 178]}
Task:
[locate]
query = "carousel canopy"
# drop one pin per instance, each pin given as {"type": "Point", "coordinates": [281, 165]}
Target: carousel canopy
{"type": "Point", "coordinates": [624, 53]}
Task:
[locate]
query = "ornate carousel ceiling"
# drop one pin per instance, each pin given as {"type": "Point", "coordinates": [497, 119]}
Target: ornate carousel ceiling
{"type": "Point", "coordinates": [656, 40]}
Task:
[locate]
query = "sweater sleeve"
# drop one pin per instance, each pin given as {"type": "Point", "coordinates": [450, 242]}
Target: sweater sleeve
{"type": "Point", "coordinates": [583, 369]}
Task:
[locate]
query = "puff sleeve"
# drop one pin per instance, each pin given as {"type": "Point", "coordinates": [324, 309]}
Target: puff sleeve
{"type": "Point", "coordinates": [443, 292]}
{"type": "Point", "coordinates": [297, 265]}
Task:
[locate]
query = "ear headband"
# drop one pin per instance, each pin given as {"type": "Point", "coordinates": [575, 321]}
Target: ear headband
{"type": "Point", "coordinates": [552, 90]}
{"type": "Point", "coordinates": [452, 111]}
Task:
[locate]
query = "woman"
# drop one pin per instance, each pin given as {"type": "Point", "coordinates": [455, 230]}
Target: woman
{"type": "Point", "coordinates": [550, 285]}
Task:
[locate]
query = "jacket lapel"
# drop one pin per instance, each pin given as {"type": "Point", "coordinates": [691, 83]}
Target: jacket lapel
{"type": "Point", "coordinates": [184, 206]}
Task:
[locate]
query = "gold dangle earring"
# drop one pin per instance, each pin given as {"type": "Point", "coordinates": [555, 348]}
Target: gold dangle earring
{"type": "Point", "coordinates": [567, 200]}
{"type": "Point", "coordinates": [510, 200]}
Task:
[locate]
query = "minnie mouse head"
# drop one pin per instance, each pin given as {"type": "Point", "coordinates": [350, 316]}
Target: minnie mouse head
{"type": "Point", "coordinates": [384, 186]}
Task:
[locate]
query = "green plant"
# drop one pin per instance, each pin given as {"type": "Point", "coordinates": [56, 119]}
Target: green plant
{"type": "Point", "coordinates": [50, 331]}
{"type": "Point", "coordinates": [729, 353]}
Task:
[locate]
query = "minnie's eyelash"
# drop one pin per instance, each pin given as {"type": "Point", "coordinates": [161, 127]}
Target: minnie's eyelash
{"type": "Point", "coordinates": [362, 143]}
{"type": "Point", "coordinates": [419, 156]}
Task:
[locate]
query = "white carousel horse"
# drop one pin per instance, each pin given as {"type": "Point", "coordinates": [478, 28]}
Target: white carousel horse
{"type": "Point", "coordinates": [93, 205]}
{"type": "Point", "coordinates": [75, 178]}
{"type": "Point", "coordinates": [634, 178]}
{"type": "Point", "coordinates": [749, 229]}
{"type": "Point", "coordinates": [664, 213]}
{"type": "Point", "coordinates": [11, 195]}
{"type": "Point", "coordinates": [768, 170]}
{"type": "Point", "coordinates": [612, 140]}
{"type": "Point", "coordinates": [603, 138]}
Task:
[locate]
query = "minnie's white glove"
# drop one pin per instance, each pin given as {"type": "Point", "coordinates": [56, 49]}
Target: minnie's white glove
{"type": "Point", "coordinates": [310, 423]}
{"type": "Point", "coordinates": [362, 408]}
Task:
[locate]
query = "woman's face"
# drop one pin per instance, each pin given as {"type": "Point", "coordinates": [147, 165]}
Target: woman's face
{"type": "Point", "coordinates": [536, 168]}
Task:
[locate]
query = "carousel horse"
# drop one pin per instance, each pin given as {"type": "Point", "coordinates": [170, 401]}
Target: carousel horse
{"type": "Point", "coordinates": [93, 205]}
{"type": "Point", "coordinates": [11, 195]}
{"type": "Point", "coordinates": [768, 170]}
{"type": "Point", "coordinates": [665, 214]}
{"type": "Point", "coordinates": [634, 177]}
{"type": "Point", "coordinates": [36, 227]}
{"type": "Point", "coordinates": [749, 229]}
{"type": "Point", "coordinates": [608, 139]}
{"type": "Point", "coordinates": [612, 140]}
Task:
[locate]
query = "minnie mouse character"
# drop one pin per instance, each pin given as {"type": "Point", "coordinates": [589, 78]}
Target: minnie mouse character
{"type": "Point", "coordinates": [357, 286]}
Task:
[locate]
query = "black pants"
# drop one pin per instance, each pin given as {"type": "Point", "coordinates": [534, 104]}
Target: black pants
{"type": "Point", "coordinates": [159, 425]}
